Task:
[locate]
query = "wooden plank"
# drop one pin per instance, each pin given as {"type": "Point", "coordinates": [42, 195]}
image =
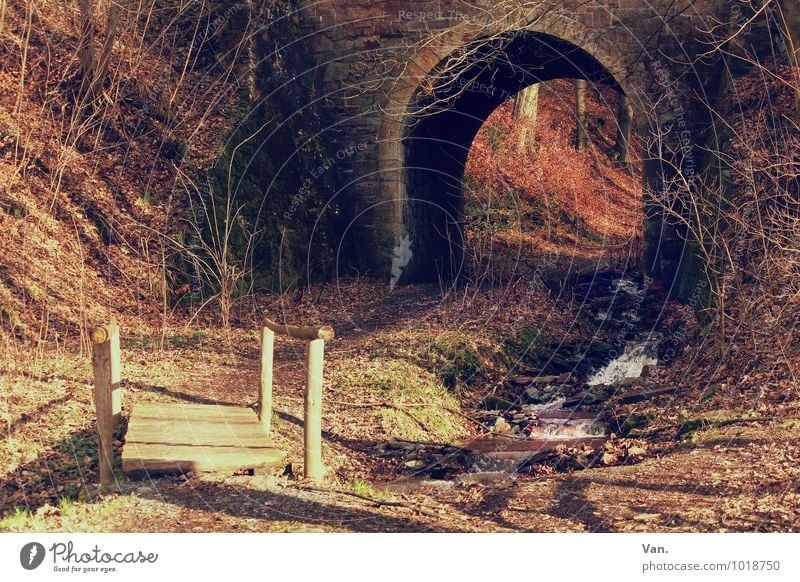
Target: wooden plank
{"type": "Point", "coordinates": [201, 438]}
{"type": "Point", "coordinates": [168, 438]}
{"type": "Point", "coordinates": [159, 459]}
{"type": "Point", "coordinates": [239, 418]}
{"type": "Point", "coordinates": [223, 422]}
{"type": "Point", "coordinates": [197, 417]}
{"type": "Point", "coordinates": [217, 424]}
{"type": "Point", "coordinates": [199, 435]}
{"type": "Point", "coordinates": [180, 410]}
{"type": "Point", "coordinates": [250, 427]}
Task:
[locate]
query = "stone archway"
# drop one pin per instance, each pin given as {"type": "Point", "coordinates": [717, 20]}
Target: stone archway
{"type": "Point", "coordinates": [441, 124]}
{"type": "Point", "coordinates": [376, 60]}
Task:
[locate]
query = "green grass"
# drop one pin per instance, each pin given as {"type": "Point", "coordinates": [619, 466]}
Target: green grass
{"type": "Point", "coordinates": [456, 358]}
{"type": "Point", "coordinates": [417, 405]}
{"type": "Point", "coordinates": [95, 513]}
{"type": "Point", "coordinates": [185, 341]}
{"type": "Point", "coordinates": [710, 420]}
{"type": "Point", "coordinates": [363, 488]}
{"type": "Point", "coordinates": [177, 341]}
{"type": "Point", "coordinates": [708, 394]}
{"type": "Point", "coordinates": [18, 519]}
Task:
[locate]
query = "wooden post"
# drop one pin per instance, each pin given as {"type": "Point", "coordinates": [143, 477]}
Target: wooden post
{"type": "Point", "coordinates": [116, 375]}
{"type": "Point", "coordinates": [107, 394]}
{"type": "Point", "coordinates": [109, 334]}
{"type": "Point", "coordinates": [265, 396]}
{"type": "Point", "coordinates": [315, 353]}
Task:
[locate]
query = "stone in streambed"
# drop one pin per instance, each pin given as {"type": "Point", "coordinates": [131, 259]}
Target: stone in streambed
{"type": "Point", "coordinates": [629, 381]}
{"type": "Point", "coordinates": [521, 380]}
{"type": "Point", "coordinates": [633, 425]}
{"type": "Point", "coordinates": [600, 347]}
{"type": "Point", "coordinates": [575, 400]}
{"type": "Point", "coordinates": [501, 426]}
{"type": "Point", "coordinates": [632, 397]}
{"type": "Point", "coordinates": [399, 445]}
{"type": "Point", "coordinates": [496, 403]}
{"type": "Point", "coordinates": [534, 395]}
{"type": "Point", "coordinates": [545, 380]}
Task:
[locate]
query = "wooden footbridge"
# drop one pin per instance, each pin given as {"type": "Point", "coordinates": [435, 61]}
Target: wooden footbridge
{"type": "Point", "coordinates": [176, 438]}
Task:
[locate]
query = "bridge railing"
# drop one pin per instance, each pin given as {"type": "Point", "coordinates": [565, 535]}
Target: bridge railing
{"type": "Point", "coordinates": [106, 369]}
{"type": "Point", "coordinates": [315, 338]}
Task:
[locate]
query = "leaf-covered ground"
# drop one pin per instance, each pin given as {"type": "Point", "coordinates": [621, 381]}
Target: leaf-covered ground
{"type": "Point", "coordinates": [384, 379]}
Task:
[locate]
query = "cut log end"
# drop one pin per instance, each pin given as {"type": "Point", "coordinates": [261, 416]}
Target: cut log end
{"type": "Point", "coordinates": [99, 334]}
{"type": "Point", "coordinates": [326, 333]}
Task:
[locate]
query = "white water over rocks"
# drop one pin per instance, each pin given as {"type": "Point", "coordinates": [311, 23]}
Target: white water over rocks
{"type": "Point", "coordinates": [629, 365]}
{"type": "Point", "coordinates": [626, 286]}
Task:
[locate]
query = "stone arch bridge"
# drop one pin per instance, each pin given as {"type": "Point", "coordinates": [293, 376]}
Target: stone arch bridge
{"type": "Point", "coordinates": [408, 85]}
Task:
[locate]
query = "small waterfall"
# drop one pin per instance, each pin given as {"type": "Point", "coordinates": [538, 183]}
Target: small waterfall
{"type": "Point", "coordinates": [637, 355]}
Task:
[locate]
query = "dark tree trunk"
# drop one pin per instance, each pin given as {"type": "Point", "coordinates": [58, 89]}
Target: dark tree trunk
{"type": "Point", "coordinates": [790, 17]}
{"type": "Point", "coordinates": [624, 125]}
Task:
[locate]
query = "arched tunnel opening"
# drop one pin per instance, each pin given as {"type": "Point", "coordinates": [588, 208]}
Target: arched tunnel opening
{"type": "Point", "coordinates": [445, 115]}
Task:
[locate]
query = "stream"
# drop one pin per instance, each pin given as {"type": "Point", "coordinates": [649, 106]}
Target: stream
{"type": "Point", "coordinates": [559, 410]}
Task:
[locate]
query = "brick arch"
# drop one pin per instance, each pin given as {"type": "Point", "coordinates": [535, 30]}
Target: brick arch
{"type": "Point", "coordinates": [428, 151]}
{"type": "Point", "coordinates": [372, 62]}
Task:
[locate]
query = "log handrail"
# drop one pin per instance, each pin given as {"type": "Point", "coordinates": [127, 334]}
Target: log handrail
{"type": "Point", "coordinates": [306, 332]}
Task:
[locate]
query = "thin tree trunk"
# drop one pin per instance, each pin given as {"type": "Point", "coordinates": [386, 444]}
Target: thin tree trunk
{"type": "Point", "coordinates": [86, 47]}
{"type": "Point", "coordinates": [2, 15]}
{"type": "Point", "coordinates": [624, 124]}
{"type": "Point", "coordinates": [526, 110]}
{"type": "Point", "coordinates": [94, 68]}
{"type": "Point", "coordinates": [790, 17]}
{"type": "Point", "coordinates": [112, 23]}
{"type": "Point", "coordinates": [581, 136]}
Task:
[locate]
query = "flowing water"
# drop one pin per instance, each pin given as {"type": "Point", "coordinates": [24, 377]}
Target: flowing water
{"type": "Point", "coordinates": [539, 428]}
{"type": "Point", "coordinates": [557, 424]}
{"type": "Point", "coordinates": [629, 364]}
